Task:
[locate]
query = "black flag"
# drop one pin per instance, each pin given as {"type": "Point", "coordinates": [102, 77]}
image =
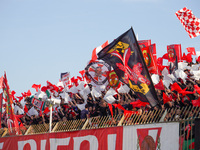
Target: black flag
{"type": "Point", "coordinates": [125, 56]}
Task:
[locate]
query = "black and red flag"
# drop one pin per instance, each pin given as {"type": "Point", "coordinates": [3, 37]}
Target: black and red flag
{"type": "Point", "coordinates": [125, 56]}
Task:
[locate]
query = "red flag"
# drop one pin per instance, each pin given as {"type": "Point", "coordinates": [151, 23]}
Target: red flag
{"type": "Point", "coordinates": [25, 109]}
{"type": "Point", "coordinates": [46, 110]}
{"type": "Point", "coordinates": [160, 61]}
{"type": "Point", "coordinates": [165, 98]}
{"type": "Point", "coordinates": [189, 57]}
{"type": "Point", "coordinates": [11, 118]}
{"type": "Point", "coordinates": [139, 103]}
{"type": "Point", "coordinates": [196, 102]}
{"type": "Point", "coordinates": [82, 72]}
{"type": "Point", "coordinates": [184, 92]}
{"type": "Point", "coordinates": [20, 98]}
{"type": "Point", "coordinates": [13, 95]}
{"type": "Point", "coordinates": [165, 56]}
{"type": "Point", "coordinates": [149, 60]}
{"type": "Point", "coordinates": [175, 87]}
{"type": "Point", "coordinates": [128, 113]}
{"type": "Point", "coordinates": [173, 51]}
{"type": "Point", "coordinates": [198, 59]}
{"type": "Point", "coordinates": [36, 86]}
{"type": "Point", "coordinates": [153, 51]}
{"type": "Point", "coordinates": [1, 82]}
{"type": "Point", "coordinates": [97, 50]}
{"type": "Point", "coordinates": [144, 43]}
{"type": "Point", "coordinates": [184, 57]}
{"type": "Point", "coordinates": [191, 146]}
{"type": "Point", "coordinates": [197, 88]}
{"type": "Point", "coordinates": [28, 93]}
{"type": "Point", "coordinates": [189, 22]}
{"type": "Point", "coordinates": [43, 89]}
{"type": "Point", "coordinates": [119, 106]}
{"type": "Point", "coordinates": [191, 50]}
{"type": "Point", "coordinates": [160, 85]}
{"type": "Point", "coordinates": [74, 81]}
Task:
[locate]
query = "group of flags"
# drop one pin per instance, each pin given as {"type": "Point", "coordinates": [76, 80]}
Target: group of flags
{"type": "Point", "coordinates": [123, 64]}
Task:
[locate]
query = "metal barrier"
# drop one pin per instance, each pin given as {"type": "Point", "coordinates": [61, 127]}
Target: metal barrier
{"type": "Point", "coordinates": [182, 115]}
{"type": "Point", "coordinates": [186, 134]}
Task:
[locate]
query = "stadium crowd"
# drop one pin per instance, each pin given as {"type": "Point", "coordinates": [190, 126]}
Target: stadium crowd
{"type": "Point", "coordinates": [78, 108]}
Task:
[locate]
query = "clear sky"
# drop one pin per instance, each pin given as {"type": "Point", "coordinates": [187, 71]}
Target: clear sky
{"type": "Point", "coordinates": [39, 39]}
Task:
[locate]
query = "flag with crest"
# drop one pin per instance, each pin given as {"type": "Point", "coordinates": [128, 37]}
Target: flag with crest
{"type": "Point", "coordinates": [125, 56]}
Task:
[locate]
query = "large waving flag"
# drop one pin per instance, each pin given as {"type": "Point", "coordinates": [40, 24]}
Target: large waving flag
{"type": "Point", "coordinates": [12, 122]}
{"type": "Point", "coordinates": [189, 22]}
{"type": "Point", "coordinates": [125, 56]}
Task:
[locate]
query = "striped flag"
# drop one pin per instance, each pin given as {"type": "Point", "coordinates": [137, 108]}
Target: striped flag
{"type": "Point", "coordinates": [13, 126]}
{"type": "Point", "coordinates": [97, 50]}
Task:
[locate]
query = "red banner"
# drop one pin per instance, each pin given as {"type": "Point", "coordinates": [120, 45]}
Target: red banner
{"type": "Point", "coordinates": [173, 51]}
{"type": "Point", "coordinates": [144, 43]}
{"type": "Point", "coordinates": [149, 60]}
{"type": "Point", "coordinates": [112, 138]}
{"type": "Point", "coordinates": [102, 139]}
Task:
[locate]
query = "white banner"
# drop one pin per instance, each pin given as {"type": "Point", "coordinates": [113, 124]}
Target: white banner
{"type": "Point", "coordinates": [162, 136]}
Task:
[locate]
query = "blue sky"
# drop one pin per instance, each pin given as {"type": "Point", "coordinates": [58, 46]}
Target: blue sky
{"type": "Point", "coordinates": [39, 39]}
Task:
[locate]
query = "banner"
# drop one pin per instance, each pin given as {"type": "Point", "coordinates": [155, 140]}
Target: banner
{"type": "Point", "coordinates": [173, 51]}
{"type": "Point", "coordinates": [126, 58]}
{"type": "Point", "coordinates": [149, 60]}
{"type": "Point", "coordinates": [154, 53]}
{"type": "Point", "coordinates": [96, 72]}
{"type": "Point", "coordinates": [113, 79]}
{"type": "Point", "coordinates": [163, 136]}
{"type": "Point", "coordinates": [144, 43]}
{"type": "Point", "coordinates": [38, 103]}
{"type": "Point", "coordinates": [65, 78]}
